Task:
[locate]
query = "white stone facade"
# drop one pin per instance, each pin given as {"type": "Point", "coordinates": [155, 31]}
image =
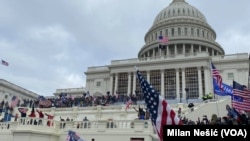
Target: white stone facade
{"type": "Point", "coordinates": [183, 63]}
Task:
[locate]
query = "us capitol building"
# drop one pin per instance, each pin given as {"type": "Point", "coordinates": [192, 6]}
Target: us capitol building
{"type": "Point", "coordinates": [180, 72]}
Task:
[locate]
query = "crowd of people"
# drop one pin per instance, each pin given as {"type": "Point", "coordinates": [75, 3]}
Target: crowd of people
{"type": "Point", "coordinates": [85, 100]}
{"type": "Point", "coordinates": [233, 117]}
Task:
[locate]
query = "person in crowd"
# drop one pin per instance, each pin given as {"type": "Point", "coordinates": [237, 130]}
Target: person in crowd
{"type": "Point", "coordinates": [50, 119]}
{"type": "Point", "coordinates": [33, 115]}
{"type": "Point", "coordinates": [62, 124]}
{"type": "Point", "coordinates": [23, 112]}
{"type": "Point", "coordinates": [16, 117]}
{"type": "Point", "coordinates": [214, 120]}
{"type": "Point", "coordinates": [41, 116]}
{"type": "Point", "coordinates": [7, 116]}
{"type": "Point", "coordinates": [141, 113]}
{"type": "Point", "coordinates": [86, 123]}
{"type": "Point", "coordinates": [179, 112]}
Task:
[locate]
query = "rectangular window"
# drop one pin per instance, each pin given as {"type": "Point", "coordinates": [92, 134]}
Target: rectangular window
{"type": "Point", "coordinates": [230, 76]}
{"type": "Point", "coordinates": [123, 83]}
{"type": "Point", "coordinates": [98, 84]}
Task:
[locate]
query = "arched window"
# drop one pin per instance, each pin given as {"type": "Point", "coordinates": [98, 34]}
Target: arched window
{"type": "Point", "coordinates": [172, 32]}
{"type": "Point", "coordinates": [166, 32]}
{"type": "Point", "coordinates": [179, 31]}
{"type": "Point", "coordinates": [186, 32]}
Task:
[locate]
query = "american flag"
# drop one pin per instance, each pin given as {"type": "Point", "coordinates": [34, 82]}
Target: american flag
{"type": "Point", "coordinates": [163, 39]}
{"type": "Point", "coordinates": [14, 101]}
{"type": "Point", "coordinates": [23, 110]}
{"type": "Point", "coordinates": [216, 75]}
{"type": "Point", "coordinates": [160, 111]}
{"type": "Point", "coordinates": [73, 136]}
{"type": "Point", "coordinates": [5, 63]}
{"type": "Point", "coordinates": [241, 97]}
{"type": "Point", "coordinates": [44, 102]}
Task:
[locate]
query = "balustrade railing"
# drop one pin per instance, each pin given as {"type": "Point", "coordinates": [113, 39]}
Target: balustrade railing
{"type": "Point", "coordinates": [130, 125]}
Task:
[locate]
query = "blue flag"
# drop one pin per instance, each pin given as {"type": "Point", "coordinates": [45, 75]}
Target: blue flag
{"type": "Point", "coordinates": [73, 136]}
{"type": "Point", "coordinates": [225, 91]}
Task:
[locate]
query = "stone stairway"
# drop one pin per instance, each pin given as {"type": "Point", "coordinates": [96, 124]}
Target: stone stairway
{"type": "Point", "coordinates": [208, 108]}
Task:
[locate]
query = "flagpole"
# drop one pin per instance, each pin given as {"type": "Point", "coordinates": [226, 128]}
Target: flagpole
{"type": "Point", "coordinates": [210, 60]}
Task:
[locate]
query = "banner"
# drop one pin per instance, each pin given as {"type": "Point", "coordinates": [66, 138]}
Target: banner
{"type": "Point", "coordinates": [208, 132]}
{"type": "Point", "coordinates": [225, 91]}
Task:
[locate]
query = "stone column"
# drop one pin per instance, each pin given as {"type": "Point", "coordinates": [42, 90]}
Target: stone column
{"type": "Point", "coordinates": [175, 49]}
{"type": "Point", "coordinates": [148, 76]}
{"type": "Point", "coordinates": [183, 83]}
{"type": "Point", "coordinates": [134, 82]}
{"type": "Point", "coordinates": [111, 84]}
{"type": "Point", "coordinates": [192, 48]}
{"type": "Point", "coordinates": [116, 82]}
{"type": "Point", "coordinates": [200, 83]}
{"type": "Point", "coordinates": [129, 83]}
{"type": "Point", "coordinates": [183, 49]}
{"type": "Point", "coordinates": [177, 84]}
{"type": "Point", "coordinates": [207, 80]}
{"type": "Point", "coordinates": [168, 50]}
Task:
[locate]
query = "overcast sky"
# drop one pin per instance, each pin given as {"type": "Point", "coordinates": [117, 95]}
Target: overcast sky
{"type": "Point", "coordinates": [49, 44]}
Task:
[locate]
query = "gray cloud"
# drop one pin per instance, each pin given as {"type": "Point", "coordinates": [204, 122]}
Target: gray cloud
{"type": "Point", "coordinates": [49, 44]}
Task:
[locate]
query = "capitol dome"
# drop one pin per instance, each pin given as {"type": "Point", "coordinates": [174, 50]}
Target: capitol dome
{"type": "Point", "coordinates": [187, 31]}
{"type": "Point", "coordinates": [179, 9]}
